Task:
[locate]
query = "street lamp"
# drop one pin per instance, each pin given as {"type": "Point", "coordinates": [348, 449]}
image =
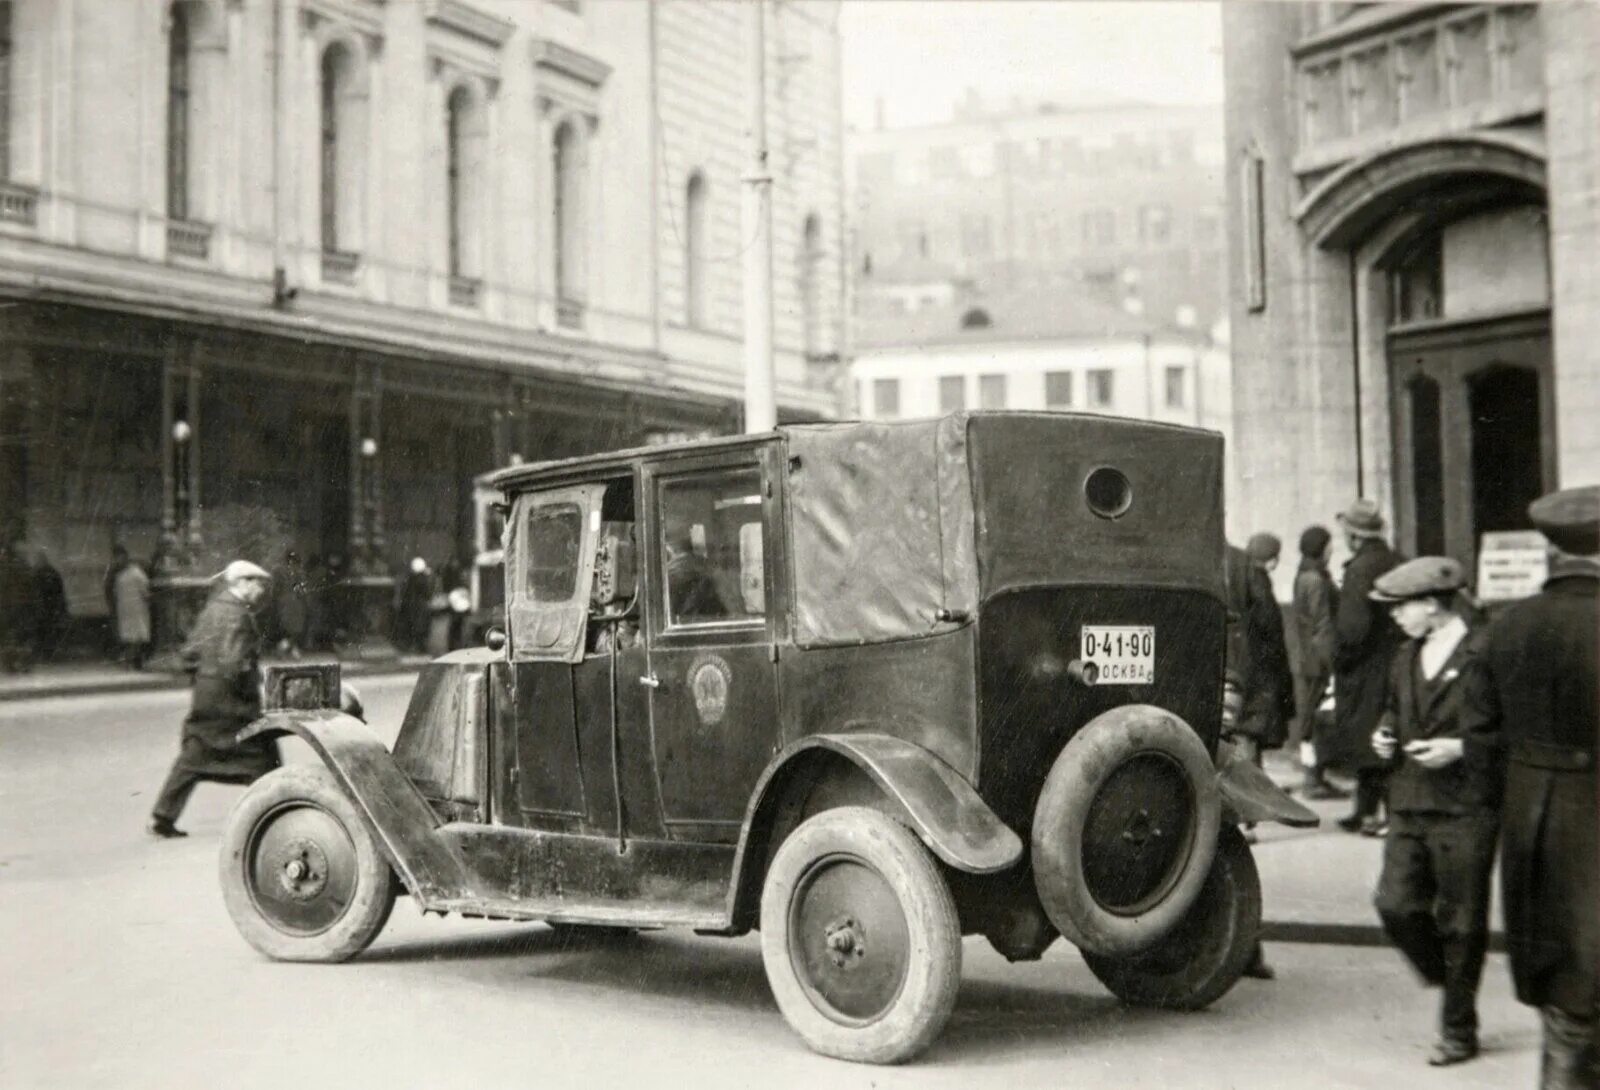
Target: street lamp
{"type": "Point", "coordinates": [181, 434]}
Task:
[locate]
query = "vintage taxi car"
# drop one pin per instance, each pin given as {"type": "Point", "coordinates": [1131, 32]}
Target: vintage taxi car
{"type": "Point", "coordinates": [865, 687]}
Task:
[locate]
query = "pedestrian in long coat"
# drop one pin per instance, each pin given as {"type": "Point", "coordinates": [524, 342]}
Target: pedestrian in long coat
{"type": "Point", "coordinates": [223, 656]}
{"type": "Point", "coordinates": [1444, 799]}
{"type": "Point", "coordinates": [1364, 642]}
{"type": "Point", "coordinates": [1536, 685]}
{"type": "Point", "coordinates": [131, 590]}
{"type": "Point", "coordinates": [1316, 600]}
{"type": "Point", "coordinates": [1268, 683]}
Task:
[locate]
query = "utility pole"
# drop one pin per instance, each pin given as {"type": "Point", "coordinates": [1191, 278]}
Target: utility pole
{"type": "Point", "coordinates": [760, 407]}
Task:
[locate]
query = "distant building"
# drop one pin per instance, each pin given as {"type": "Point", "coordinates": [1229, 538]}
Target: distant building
{"type": "Point", "coordinates": [328, 259]}
{"type": "Point", "coordinates": [1125, 201]}
{"type": "Point", "coordinates": [1037, 349]}
{"type": "Point", "coordinates": [1414, 224]}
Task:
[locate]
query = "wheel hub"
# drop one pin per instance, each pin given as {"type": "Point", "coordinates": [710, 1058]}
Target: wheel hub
{"type": "Point", "coordinates": [846, 943]}
{"type": "Point", "coordinates": [305, 871]}
{"type": "Point", "coordinates": [1137, 833]}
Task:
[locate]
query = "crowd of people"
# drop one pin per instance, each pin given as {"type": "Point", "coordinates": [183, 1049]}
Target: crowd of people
{"type": "Point", "coordinates": [1464, 735]}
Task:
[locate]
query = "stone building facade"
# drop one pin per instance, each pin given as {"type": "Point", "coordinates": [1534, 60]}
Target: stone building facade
{"type": "Point", "coordinates": [322, 261]}
{"type": "Point", "coordinates": [1414, 218]}
{"type": "Point", "coordinates": [1122, 201]}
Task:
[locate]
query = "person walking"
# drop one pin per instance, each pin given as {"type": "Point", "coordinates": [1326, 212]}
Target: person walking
{"type": "Point", "coordinates": [1444, 798]}
{"type": "Point", "coordinates": [222, 656]}
{"type": "Point", "coordinates": [1535, 686]}
{"type": "Point", "coordinates": [1268, 684]}
{"type": "Point", "coordinates": [1364, 642]}
{"type": "Point", "coordinates": [131, 591]}
{"type": "Point", "coordinates": [1315, 600]}
{"type": "Point", "coordinates": [50, 592]}
{"type": "Point", "coordinates": [19, 607]}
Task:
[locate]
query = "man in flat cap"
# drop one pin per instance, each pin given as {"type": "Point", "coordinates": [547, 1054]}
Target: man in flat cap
{"type": "Point", "coordinates": [1444, 798]}
{"type": "Point", "coordinates": [1364, 642]}
{"type": "Point", "coordinates": [1535, 686]}
{"type": "Point", "coordinates": [222, 656]}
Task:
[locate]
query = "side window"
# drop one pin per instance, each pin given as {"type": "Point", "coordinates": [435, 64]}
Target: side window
{"type": "Point", "coordinates": [554, 536]}
{"type": "Point", "coordinates": [712, 548]}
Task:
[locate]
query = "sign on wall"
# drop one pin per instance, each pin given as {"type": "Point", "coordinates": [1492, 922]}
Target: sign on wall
{"type": "Point", "coordinates": [1511, 564]}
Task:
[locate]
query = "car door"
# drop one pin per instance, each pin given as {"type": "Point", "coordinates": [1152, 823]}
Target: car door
{"type": "Point", "coordinates": [713, 630]}
{"type": "Point", "coordinates": [549, 558]}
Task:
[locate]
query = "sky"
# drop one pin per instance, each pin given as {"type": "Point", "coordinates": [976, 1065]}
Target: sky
{"type": "Point", "coordinates": [919, 56]}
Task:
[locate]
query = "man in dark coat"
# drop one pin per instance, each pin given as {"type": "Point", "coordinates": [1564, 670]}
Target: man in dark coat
{"type": "Point", "coordinates": [1444, 799]}
{"type": "Point", "coordinates": [1364, 642]}
{"type": "Point", "coordinates": [1315, 602]}
{"type": "Point", "coordinates": [1535, 684]}
{"type": "Point", "coordinates": [222, 655]}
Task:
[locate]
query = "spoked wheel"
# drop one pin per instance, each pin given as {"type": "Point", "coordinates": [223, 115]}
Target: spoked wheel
{"type": "Point", "coordinates": [1198, 961]}
{"type": "Point", "coordinates": [302, 876]}
{"type": "Point", "coordinates": [860, 937]}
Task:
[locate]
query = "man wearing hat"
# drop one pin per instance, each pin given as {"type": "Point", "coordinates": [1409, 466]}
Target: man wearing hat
{"type": "Point", "coordinates": [1444, 798]}
{"type": "Point", "coordinates": [1535, 687]}
{"type": "Point", "coordinates": [1364, 642]}
{"type": "Point", "coordinates": [222, 656]}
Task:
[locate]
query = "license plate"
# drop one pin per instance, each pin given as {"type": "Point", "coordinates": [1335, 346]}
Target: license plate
{"type": "Point", "coordinates": [1120, 654]}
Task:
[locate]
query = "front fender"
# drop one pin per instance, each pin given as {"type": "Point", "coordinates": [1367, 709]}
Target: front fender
{"type": "Point", "coordinates": [943, 809]}
{"type": "Point", "coordinates": [1252, 796]}
{"type": "Point", "coordinates": [402, 819]}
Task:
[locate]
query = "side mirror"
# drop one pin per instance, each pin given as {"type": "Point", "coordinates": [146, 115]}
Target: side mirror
{"type": "Point", "coordinates": [495, 639]}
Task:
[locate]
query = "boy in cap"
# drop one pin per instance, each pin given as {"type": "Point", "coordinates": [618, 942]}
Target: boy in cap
{"type": "Point", "coordinates": [1444, 796]}
{"type": "Point", "coordinates": [1534, 687]}
{"type": "Point", "coordinates": [222, 655]}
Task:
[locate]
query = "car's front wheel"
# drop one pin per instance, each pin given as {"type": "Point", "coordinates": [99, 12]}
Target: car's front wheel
{"type": "Point", "coordinates": [302, 875]}
{"type": "Point", "coordinates": [860, 937]}
{"type": "Point", "coordinates": [1198, 961]}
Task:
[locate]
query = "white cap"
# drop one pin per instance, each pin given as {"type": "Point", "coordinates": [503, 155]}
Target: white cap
{"type": "Point", "coordinates": [242, 569]}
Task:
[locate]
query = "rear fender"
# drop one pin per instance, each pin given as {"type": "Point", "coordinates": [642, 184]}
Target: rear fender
{"type": "Point", "coordinates": [1250, 794]}
{"type": "Point", "coordinates": [404, 823]}
{"type": "Point", "coordinates": [941, 808]}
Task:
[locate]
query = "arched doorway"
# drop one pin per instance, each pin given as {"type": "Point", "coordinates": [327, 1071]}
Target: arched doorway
{"type": "Point", "coordinates": [1471, 379]}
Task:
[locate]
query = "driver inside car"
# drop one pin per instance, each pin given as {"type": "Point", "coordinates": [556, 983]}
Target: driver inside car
{"type": "Point", "coordinates": [691, 590]}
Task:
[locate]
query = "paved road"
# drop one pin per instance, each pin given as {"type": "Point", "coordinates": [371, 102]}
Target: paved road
{"type": "Point", "coordinates": [120, 969]}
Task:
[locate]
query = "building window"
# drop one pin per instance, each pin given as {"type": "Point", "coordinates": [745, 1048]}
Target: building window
{"type": "Point", "coordinates": [1100, 388]}
{"type": "Point", "coordinates": [463, 158]}
{"type": "Point", "coordinates": [5, 89]}
{"type": "Point", "coordinates": [886, 397]}
{"type": "Point", "coordinates": [567, 170]}
{"type": "Point", "coordinates": [1416, 284]}
{"type": "Point", "coordinates": [695, 225]}
{"type": "Point", "coordinates": [343, 127]}
{"type": "Point", "coordinates": [811, 286]}
{"type": "Point", "coordinates": [1252, 204]}
{"type": "Point", "coordinates": [1177, 393]}
{"type": "Point", "coordinates": [952, 393]}
{"type": "Point", "coordinates": [178, 112]}
{"type": "Point", "coordinates": [1155, 225]}
{"type": "Point", "coordinates": [991, 391]}
{"type": "Point", "coordinates": [1058, 389]}
{"type": "Point", "coordinates": [1099, 227]}
{"type": "Point", "coordinates": [976, 318]}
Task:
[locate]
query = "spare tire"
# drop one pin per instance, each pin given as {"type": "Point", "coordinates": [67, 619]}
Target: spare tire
{"type": "Point", "coordinates": [1125, 829]}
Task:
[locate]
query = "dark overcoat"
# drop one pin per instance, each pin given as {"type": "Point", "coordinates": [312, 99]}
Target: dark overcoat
{"type": "Point", "coordinates": [1315, 603]}
{"type": "Point", "coordinates": [1535, 684]}
{"type": "Point", "coordinates": [1364, 642]}
{"type": "Point", "coordinates": [1422, 708]}
{"type": "Point", "coordinates": [222, 655]}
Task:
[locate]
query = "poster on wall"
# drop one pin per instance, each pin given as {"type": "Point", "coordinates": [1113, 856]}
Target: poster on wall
{"type": "Point", "coordinates": [1511, 565]}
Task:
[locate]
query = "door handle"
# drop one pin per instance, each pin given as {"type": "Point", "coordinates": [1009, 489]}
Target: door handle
{"type": "Point", "coordinates": [650, 681]}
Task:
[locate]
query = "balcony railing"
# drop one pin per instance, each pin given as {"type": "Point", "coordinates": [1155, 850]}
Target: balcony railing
{"type": "Point", "coordinates": [19, 204]}
{"type": "Point", "coordinates": [339, 267]}
{"type": "Point", "coordinates": [188, 239]}
{"type": "Point", "coordinates": [464, 291]}
{"type": "Point", "coordinates": [569, 313]}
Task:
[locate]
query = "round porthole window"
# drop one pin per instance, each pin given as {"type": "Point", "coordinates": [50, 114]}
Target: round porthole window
{"type": "Point", "coordinates": [1108, 492]}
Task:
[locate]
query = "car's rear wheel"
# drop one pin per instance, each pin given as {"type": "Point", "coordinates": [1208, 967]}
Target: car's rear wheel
{"type": "Point", "coordinates": [302, 875]}
{"type": "Point", "coordinates": [860, 937]}
{"type": "Point", "coordinates": [1197, 962]}
{"type": "Point", "coordinates": [1124, 829]}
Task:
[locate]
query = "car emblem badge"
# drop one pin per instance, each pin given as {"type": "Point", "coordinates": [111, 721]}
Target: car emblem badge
{"type": "Point", "coordinates": [709, 681]}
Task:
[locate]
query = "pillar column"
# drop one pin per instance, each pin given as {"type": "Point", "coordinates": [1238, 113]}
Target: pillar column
{"type": "Point", "coordinates": [369, 601]}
